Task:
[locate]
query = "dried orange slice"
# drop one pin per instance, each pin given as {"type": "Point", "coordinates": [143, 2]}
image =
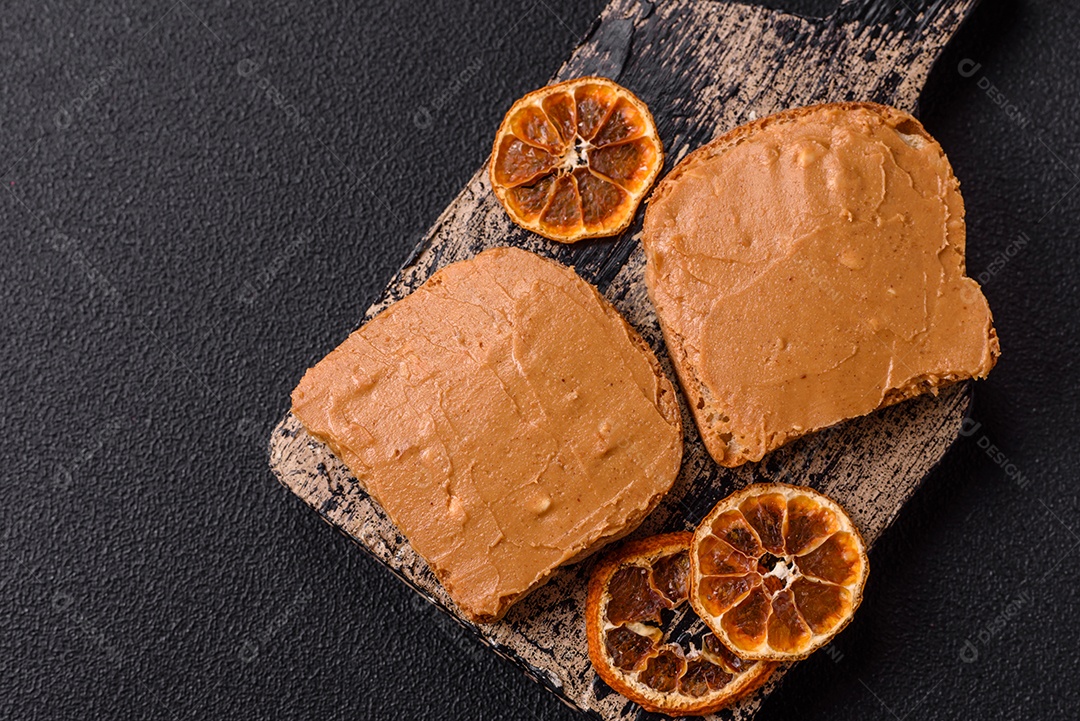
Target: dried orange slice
{"type": "Point", "coordinates": [777, 571]}
{"type": "Point", "coordinates": [574, 160]}
{"type": "Point", "coordinates": [635, 593]}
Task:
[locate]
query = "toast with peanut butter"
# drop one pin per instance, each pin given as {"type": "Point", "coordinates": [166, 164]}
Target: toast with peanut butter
{"type": "Point", "coordinates": [507, 419]}
{"type": "Point", "coordinates": [808, 268]}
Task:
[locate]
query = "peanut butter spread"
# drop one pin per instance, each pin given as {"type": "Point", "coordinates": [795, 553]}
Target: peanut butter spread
{"type": "Point", "coordinates": [507, 419]}
{"type": "Point", "coordinates": [809, 268]}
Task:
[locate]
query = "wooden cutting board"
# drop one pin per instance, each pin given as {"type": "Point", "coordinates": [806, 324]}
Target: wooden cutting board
{"type": "Point", "coordinates": [703, 68]}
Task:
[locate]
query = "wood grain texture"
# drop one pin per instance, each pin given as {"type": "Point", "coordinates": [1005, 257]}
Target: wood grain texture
{"type": "Point", "coordinates": [703, 68]}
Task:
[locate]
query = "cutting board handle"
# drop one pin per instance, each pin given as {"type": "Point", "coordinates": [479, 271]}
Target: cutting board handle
{"type": "Point", "coordinates": [899, 40]}
{"type": "Point", "coordinates": [930, 21]}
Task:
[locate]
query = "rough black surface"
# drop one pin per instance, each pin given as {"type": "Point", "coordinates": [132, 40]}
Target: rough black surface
{"type": "Point", "coordinates": [187, 185]}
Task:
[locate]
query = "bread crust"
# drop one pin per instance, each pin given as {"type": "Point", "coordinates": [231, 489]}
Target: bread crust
{"type": "Point", "coordinates": [715, 433]}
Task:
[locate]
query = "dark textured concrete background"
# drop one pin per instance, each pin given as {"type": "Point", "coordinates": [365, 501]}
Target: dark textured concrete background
{"type": "Point", "coordinates": [200, 201]}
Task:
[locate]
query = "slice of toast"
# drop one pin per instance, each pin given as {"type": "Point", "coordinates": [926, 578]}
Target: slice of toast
{"type": "Point", "coordinates": [506, 417]}
{"type": "Point", "coordinates": [807, 268]}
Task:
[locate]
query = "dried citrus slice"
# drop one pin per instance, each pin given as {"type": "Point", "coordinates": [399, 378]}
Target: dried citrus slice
{"type": "Point", "coordinates": [574, 160]}
{"type": "Point", "coordinates": [777, 571]}
{"type": "Point", "coordinates": [645, 641]}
